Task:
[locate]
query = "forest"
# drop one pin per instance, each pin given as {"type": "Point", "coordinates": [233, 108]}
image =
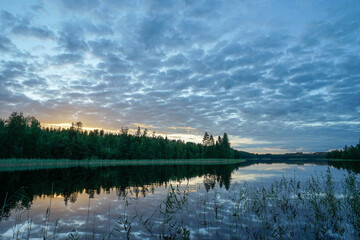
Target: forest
{"type": "Point", "coordinates": [352, 152]}
{"type": "Point", "coordinates": [24, 137]}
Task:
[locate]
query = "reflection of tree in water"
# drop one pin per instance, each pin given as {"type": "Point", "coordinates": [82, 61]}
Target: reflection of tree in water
{"type": "Point", "coordinates": [346, 165]}
{"type": "Point", "coordinates": [137, 181]}
{"type": "Point", "coordinates": [72, 197]}
{"type": "Point", "coordinates": [221, 176]}
{"type": "Point", "coordinates": [209, 181]}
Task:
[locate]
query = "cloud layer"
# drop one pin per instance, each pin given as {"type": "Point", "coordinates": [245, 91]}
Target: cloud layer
{"type": "Point", "coordinates": [272, 74]}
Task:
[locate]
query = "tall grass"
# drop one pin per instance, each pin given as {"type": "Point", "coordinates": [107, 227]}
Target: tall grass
{"type": "Point", "coordinates": [287, 209]}
{"type": "Point", "coordinates": [320, 208]}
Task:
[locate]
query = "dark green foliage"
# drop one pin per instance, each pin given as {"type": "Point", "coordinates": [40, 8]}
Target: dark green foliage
{"type": "Point", "coordinates": [221, 149]}
{"type": "Point", "coordinates": [23, 137]}
{"type": "Point", "coordinates": [347, 153]}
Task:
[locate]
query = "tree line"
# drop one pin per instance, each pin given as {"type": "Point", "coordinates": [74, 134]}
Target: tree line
{"type": "Point", "coordinates": [352, 152]}
{"type": "Point", "coordinates": [23, 137]}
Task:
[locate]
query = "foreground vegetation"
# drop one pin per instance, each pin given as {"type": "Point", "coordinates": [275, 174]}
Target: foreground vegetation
{"type": "Point", "coordinates": [23, 137]}
{"type": "Point", "coordinates": [286, 209]}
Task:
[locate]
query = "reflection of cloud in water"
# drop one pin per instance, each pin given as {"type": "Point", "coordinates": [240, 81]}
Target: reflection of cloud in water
{"type": "Point", "coordinates": [9, 234]}
{"type": "Point", "coordinates": [259, 172]}
{"type": "Point", "coordinates": [196, 180]}
{"type": "Point", "coordinates": [238, 176]}
{"type": "Point", "coordinates": [277, 167]}
{"type": "Point", "coordinates": [74, 214]}
{"type": "Point", "coordinates": [273, 167]}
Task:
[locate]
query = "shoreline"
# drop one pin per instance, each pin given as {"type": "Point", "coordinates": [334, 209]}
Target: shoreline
{"type": "Point", "coordinates": [34, 164]}
{"type": "Point", "coordinates": [23, 164]}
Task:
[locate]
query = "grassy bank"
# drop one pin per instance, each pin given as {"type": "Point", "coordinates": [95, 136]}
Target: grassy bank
{"type": "Point", "coordinates": [32, 164]}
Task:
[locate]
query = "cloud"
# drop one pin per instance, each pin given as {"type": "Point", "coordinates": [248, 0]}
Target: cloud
{"type": "Point", "coordinates": [148, 126]}
{"type": "Point", "coordinates": [66, 58]}
{"type": "Point", "coordinates": [80, 5]}
{"type": "Point", "coordinates": [23, 26]}
{"type": "Point", "coordinates": [185, 128]}
{"type": "Point", "coordinates": [176, 60]}
{"type": "Point", "coordinates": [35, 82]}
{"type": "Point", "coordinates": [273, 81]}
{"type": "Point", "coordinates": [39, 32]}
{"type": "Point", "coordinates": [6, 45]}
{"type": "Point", "coordinates": [71, 37]}
{"type": "Point", "coordinates": [8, 20]}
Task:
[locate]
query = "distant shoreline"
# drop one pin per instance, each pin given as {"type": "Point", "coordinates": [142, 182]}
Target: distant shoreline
{"type": "Point", "coordinates": [304, 159]}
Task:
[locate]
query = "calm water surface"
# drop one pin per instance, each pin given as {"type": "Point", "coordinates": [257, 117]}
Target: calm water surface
{"type": "Point", "coordinates": [100, 202]}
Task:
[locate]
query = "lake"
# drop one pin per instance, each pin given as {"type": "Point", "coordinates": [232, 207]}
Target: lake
{"type": "Point", "coordinates": [263, 200]}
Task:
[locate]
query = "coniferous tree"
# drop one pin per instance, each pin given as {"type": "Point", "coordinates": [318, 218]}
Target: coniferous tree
{"type": "Point", "coordinates": [206, 139]}
{"type": "Point", "coordinates": [23, 137]}
{"type": "Point", "coordinates": [138, 132]}
{"type": "Point", "coordinates": [352, 152]}
{"type": "Point", "coordinates": [211, 141]}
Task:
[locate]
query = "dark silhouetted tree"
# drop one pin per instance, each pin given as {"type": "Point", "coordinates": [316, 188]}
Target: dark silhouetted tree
{"type": "Point", "coordinates": [23, 137]}
{"type": "Point", "coordinates": [352, 152]}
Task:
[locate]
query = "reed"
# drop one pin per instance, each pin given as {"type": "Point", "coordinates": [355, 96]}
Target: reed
{"type": "Point", "coordinates": [285, 209]}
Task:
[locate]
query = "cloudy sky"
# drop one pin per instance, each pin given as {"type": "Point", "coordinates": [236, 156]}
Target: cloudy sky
{"type": "Point", "coordinates": [277, 76]}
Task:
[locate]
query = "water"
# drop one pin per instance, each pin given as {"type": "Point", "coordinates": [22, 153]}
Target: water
{"type": "Point", "coordinates": [205, 202]}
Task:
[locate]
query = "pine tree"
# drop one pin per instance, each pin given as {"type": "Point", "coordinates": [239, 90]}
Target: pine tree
{"type": "Point", "coordinates": [206, 139]}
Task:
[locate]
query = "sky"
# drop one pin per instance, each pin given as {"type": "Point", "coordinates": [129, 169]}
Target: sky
{"type": "Point", "coordinates": [277, 76]}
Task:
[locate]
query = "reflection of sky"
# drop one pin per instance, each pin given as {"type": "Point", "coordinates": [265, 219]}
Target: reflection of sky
{"type": "Point", "coordinates": [99, 214]}
{"type": "Point", "coordinates": [269, 172]}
